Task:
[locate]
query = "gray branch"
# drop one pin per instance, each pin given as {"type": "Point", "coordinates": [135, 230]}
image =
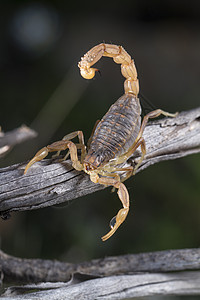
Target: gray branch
{"type": "Point", "coordinates": [173, 272]}
{"type": "Point", "coordinates": [51, 182]}
{"type": "Point", "coordinates": [118, 287]}
{"type": "Point", "coordinates": [9, 139]}
{"type": "Point", "coordinates": [16, 269]}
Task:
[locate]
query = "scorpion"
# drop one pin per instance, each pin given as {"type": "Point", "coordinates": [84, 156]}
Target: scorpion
{"type": "Point", "coordinates": [114, 138]}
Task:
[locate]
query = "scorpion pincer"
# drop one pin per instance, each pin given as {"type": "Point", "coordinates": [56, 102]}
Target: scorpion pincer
{"type": "Point", "coordinates": [115, 137]}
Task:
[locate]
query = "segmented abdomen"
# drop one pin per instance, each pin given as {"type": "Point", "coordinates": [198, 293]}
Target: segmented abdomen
{"type": "Point", "coordinates": [116, 132]}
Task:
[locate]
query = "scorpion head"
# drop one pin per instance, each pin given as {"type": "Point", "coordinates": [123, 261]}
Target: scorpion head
{"type": "Point", "coordinates": [95, 159]}
{"type": "Point", "coordinates": [88, 167]}
{"type": "Point", "coordinates": [92, 162]}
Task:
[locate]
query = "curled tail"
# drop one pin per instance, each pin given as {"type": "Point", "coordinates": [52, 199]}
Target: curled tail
{"type": "Point", "coordinates": [120, 56]}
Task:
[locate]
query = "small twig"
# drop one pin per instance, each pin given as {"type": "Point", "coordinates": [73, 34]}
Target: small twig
{"type": "Point", "coordinates": [9, 139]}
{"type": "Point", "coordinates": [49, 182]}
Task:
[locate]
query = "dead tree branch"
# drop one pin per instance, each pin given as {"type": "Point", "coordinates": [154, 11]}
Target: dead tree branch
{"type": "Point", "coordinates": [50, 182]}
{"type": "Point", "coordinates": [173, 272]}
{"type": "Point", "coordinates": [20, 270]}
{"type": "Point", "coordinates": [114, 287]}
{"type": "Point", "coordinates": [9, 139]}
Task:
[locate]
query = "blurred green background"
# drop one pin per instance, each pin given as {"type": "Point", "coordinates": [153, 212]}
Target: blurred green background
{"type": "Point", "coordinates": [40, 86]}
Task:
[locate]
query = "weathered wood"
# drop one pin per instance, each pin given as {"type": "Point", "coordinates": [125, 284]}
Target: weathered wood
{"type": "Point", "coordinates": [121, 277]}
{"type": "Point", "coordinates": [118, 287]}
{"type": "Point", "coordinates": [16, 136]}
{"type": "Point", "coordinates": [50, 182]}
{"type": "Point", "coordinates": [16, 269]}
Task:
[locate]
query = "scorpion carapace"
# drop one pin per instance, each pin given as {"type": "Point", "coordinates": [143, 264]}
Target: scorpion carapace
{"type": "Point", "coordinates": [115, 138]}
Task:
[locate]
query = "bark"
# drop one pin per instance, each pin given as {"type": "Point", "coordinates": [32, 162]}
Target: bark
{"type": "Point", "coordinates": [173, 272]}
{"type": "Point", "coordinates": [37, 270]}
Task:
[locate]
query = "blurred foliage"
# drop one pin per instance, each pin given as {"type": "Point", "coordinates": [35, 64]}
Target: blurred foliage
{"type": "Point", "coordinates": [40, 85]}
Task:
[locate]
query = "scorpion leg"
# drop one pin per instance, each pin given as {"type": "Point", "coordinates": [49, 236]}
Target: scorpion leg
{"type": "Point", "coordinates": [153, 114]}
{"type": "Point", "coordinates": [71, 136]}
{"type": "Point", "coordinates": [140, 140]}
{"type": "Point", "coordinates": [121, 159]}
{"type": "Point", "coordinates": [60, 146]}
{"type": "Point", "coordinates": [138, 143]}
{"type": "Point", "coordinates": [42, 153]}
{"type": "Point", "coordinates": [124, 197]}
{"type": "Point", "coordinates": [81, 144]}
{"type": "Point", "coordinates": [128, 172]}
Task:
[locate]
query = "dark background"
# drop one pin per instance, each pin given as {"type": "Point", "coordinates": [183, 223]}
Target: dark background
{"type": "Point", "coordinates": [41, 43]}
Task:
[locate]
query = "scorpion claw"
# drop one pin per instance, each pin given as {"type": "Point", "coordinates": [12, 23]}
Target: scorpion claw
{"type": "Point", "coordinates": [38, 156]}
{"type": "Point", "coordinates": [116, 222]}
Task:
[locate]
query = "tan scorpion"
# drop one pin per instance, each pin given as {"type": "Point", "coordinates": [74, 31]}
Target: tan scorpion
{"type": "Point", "coordinates": [114, 138]}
